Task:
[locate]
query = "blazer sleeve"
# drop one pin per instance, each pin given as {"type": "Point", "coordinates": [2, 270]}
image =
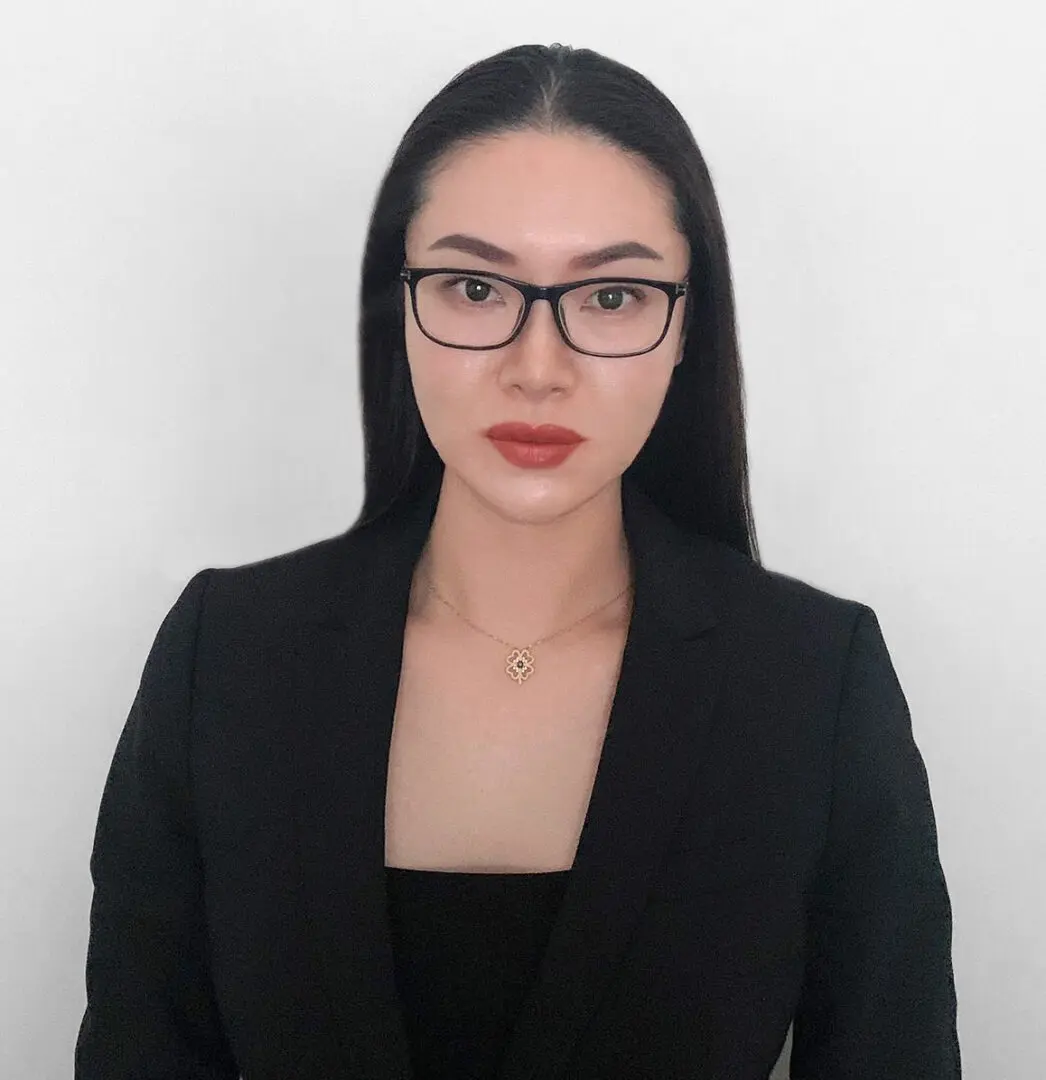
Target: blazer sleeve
{"type": "Point", "coordinates": [150, 1005]}
{"type": "Point", "coordinates": [878, 997]}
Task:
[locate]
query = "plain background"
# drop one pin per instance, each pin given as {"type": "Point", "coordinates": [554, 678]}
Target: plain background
{"type": "Point", "coordinates": [184, 189]}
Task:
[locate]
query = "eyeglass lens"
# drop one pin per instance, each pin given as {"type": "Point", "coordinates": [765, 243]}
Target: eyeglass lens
{"type": "Point", "coordinates": [480, 312]}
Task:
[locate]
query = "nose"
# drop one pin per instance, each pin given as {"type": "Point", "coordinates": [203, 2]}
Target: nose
{"type": "Point", "coordinates": [539, 360]}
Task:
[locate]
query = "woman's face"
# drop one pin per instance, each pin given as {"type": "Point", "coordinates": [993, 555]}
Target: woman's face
{"type": "Point", "coordinates": [545, 201]}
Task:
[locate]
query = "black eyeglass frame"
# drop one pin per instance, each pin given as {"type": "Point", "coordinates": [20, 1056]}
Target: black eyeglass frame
{"type": "Point", "coordinates": [552, 293]}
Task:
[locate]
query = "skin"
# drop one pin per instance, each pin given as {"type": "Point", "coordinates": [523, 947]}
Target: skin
{"type": "Point", "coordinates": [499, 529]}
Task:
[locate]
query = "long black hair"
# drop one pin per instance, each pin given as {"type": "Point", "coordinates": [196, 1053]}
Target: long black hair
{"type": "Point", "coordinates": [694, 464]}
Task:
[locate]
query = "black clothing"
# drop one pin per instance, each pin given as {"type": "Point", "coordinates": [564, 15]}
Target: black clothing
{"type": "Point", "coordinates": [759, 844]}
{"type": "Point", "coordinates": [467, 948]}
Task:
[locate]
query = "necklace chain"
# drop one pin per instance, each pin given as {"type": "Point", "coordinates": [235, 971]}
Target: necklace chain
{"type": "Point", "coordinates": [533, 644]}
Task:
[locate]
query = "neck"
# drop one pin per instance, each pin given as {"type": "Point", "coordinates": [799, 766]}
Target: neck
{"type": "Point", "coordinates": [521, 580]}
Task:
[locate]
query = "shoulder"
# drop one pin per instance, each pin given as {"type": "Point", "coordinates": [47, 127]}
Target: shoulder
{"type": "Point", "coordinates": [739, 576]}
{"type": "Point", "coordinates": [283, 585]}
{"type": "Point", "coordinates": [763, 605]}
{"type": "Point", "coordinates": [749, 600]}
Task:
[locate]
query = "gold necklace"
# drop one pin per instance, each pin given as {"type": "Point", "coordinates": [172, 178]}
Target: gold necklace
{"type": "Point", "coordinates": [519, 664]}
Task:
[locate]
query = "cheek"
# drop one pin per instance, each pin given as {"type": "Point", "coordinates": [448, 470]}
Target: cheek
{"type": "Point", "coordinates": [443, 383]}
{"type": "Point", "coordinates": [638, 388]}
{"type": "Point", "coordinates": [631, 401]}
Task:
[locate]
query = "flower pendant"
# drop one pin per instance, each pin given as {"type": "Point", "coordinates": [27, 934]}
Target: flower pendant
{"type": "Point", "coordinates": [520, 665]}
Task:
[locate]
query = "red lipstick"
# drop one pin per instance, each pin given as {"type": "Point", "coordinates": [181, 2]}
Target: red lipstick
{"type": "Point", "coordinates": [531, 447]}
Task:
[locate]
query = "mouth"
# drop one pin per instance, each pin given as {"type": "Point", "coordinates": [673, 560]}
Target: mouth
{"type": "Point", "coordinates": [542, 435]}
{"type": "Point", "coordinates": [529, 447]}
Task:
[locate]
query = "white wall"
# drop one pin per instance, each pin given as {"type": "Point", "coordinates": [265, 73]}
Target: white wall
{"type": "Point", "coordinates": [184, 188]}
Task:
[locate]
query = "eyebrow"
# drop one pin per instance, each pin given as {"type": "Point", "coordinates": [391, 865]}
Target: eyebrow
{"type": "Point", "coordinates": [482, 249]}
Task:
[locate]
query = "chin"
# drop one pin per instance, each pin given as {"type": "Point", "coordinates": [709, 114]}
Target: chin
{"type": "Point", "coordinates": [532, 497]}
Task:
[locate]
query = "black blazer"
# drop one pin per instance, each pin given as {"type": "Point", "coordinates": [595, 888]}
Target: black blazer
{"type": "Point", "coordinates": [759, 846]}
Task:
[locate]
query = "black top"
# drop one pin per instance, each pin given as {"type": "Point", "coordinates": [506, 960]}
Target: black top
{"type": "Point", "coordinates": [467, 947]}
{"type": "Point", "coordinates": [760, 843]}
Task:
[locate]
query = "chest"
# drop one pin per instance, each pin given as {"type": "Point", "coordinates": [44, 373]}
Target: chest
{"type": "Point", "coordinates": [487, 774]}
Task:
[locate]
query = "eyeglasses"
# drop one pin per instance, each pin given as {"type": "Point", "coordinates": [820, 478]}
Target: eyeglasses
{"type": "Point", "coordinates": [614, 317]}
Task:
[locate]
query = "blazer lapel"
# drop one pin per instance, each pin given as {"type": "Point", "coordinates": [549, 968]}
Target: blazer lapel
{"type": "Point", "coordinates": [657, 722]}
{"type": "Point", "coordinates": [345, 675]}
{"type": "Point", "coordinates": [344, 679]}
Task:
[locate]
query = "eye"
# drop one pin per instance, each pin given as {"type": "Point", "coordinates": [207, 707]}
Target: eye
{"type": "Point", "coordinates": [476, 290]}
{"type": "Point", "coordinates": [617, 297]}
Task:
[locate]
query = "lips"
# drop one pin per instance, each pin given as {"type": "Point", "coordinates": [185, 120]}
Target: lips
{"type": "Point", "coordinates": [545, 434]}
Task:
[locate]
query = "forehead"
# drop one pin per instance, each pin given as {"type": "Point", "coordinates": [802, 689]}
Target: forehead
{"type": "Point", "coordinates": [546, 198]}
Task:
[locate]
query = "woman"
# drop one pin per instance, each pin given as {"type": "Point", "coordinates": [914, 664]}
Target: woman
{"type": "Point", "coordinates": [535, 771]}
